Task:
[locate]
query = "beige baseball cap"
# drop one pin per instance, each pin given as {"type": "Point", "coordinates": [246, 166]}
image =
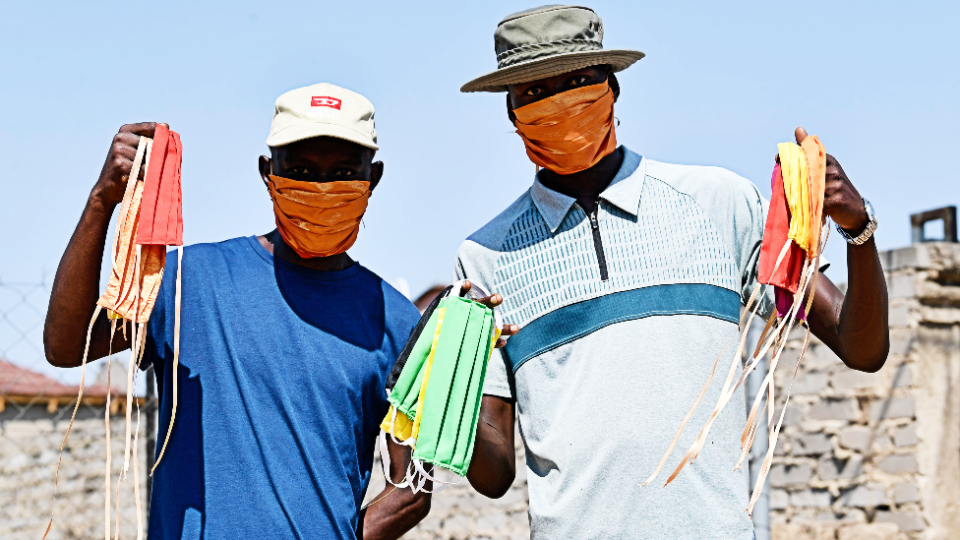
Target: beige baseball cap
{"type": "Point", "coordinates": [323, 110]}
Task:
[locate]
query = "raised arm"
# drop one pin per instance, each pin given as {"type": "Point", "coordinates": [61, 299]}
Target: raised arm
{"type": "Point", "coordinates": [76, 286]}
{"type": "Point", "coordinates": [853, 326]}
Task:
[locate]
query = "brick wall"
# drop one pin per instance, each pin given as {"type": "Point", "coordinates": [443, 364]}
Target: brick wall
{"type": "Point", "coordinates": [877, 456]}
{"type": "Point", "coordinates": [29, 446]}
{"type": "Point", "coordinates": [861, 456]}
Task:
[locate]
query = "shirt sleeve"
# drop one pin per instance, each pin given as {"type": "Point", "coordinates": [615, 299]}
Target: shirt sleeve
{"type": "Point", "coordinates": [158, 330]}
{"type": "Point", "coordinates": [756, 216]}
{"type": "Point", "coordinates": [497, 383]}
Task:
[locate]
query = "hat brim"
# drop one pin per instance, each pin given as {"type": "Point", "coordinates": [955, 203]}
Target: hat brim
{"type": "Point", "coordinates": [310, 130]}
{"type": "Point", "coordinates": [541, 68]}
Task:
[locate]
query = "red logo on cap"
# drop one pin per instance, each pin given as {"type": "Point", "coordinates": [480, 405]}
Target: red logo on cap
{"type": "Point", "coordinates": [325, 101]}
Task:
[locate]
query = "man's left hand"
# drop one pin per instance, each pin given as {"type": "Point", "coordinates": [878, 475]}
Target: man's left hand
{"type": "Point", "coordinates": [841, 201]}
{"type": "Point", "coordinates": [491, 302]}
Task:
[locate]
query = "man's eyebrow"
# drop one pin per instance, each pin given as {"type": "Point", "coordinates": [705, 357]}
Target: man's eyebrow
{"type": "Point", "coordinates": [306, 161]}
{"type": "Point", "coordinates": [357, 161]}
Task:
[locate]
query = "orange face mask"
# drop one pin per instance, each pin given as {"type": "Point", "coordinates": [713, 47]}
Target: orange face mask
{"type": "Point", "coordinates": [318, 219]}
{"type": "Point", "coordinates": [570, 131]}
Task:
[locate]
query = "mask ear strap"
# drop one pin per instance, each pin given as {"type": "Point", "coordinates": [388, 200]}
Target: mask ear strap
{"type": "Point", "coordinates": [141, 160]}
{"type": "Point", "coordinates": [477, 292]}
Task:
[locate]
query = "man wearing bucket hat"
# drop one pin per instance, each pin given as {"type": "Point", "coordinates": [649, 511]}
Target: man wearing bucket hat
{"type": "Point", "coordinates": [285, 343]}
{"type": "Point", "coordinates": [626, 276]}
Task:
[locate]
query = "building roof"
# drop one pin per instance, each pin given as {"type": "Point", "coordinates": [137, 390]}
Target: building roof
{"type": "Point", "coordinates": [22, 382]}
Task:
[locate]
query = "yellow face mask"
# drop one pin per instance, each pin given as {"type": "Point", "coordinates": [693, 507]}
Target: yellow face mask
{"type": "Point", "coordinates": [318, 219]}
{"type": "Point", "coordinates": [803, 169]}
{"type": "Point", "coordinates": [570, 131]}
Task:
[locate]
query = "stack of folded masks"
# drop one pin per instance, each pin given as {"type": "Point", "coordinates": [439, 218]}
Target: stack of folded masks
{"type": "Point", "coordinates": [435, 388]}
{"type": "Point", "coordinates": [150, 218]}
{"type": "Point", "coordinates": [793, 239]}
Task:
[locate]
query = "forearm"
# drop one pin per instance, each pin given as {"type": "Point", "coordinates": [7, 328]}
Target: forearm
{"type": "Point", "coordinates": [855, 325]}
{"type": "Point", "coordinates": [394, 512]}
{"type": "Point", "coordinates": [862, 326]}
{"type": "Point", "coordinates": [76, 289]}
{"type": "Point", "coordinates": [493, 466]}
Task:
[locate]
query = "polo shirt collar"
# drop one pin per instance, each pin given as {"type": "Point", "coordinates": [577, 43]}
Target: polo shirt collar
{"type": "Point", "coordinates": [625, 188]}
{"type": "Point", "coordinates": [623, 192]}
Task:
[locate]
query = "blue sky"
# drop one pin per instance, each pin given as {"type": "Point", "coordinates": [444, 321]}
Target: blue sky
{"type": "Point", "coordinates": [722, 83]}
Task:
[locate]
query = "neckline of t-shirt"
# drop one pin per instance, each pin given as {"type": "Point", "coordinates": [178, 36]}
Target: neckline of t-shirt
{"type": "Point", "coordinates": [325, 275]}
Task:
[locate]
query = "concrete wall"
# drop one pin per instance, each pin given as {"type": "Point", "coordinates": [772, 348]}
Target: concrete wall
{"type": "Point", "coordinates": [29, 446]}
{"type": "Point", "coordinates": [866, 456]}
{"type": "Point", "coordinates": [861, 456]}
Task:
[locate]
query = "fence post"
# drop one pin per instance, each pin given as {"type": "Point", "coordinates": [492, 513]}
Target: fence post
{"type": "Point", "coordinates": [151, 406]}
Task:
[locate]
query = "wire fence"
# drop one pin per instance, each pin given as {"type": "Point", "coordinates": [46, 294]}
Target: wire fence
{"type": "Point", "coordinates": [37, 401]}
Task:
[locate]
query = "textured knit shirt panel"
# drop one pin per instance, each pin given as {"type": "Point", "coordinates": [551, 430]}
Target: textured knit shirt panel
{"type": "Point", "coordinates": [604, 371]}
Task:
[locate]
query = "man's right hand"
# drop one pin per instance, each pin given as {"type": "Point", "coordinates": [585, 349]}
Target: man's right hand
{"type": "Point", "coordinates": [116, 169]}
{"type": "Point", "coordinates": [76, 286]}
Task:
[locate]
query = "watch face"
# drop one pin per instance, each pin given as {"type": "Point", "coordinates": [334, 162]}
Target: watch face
{"type": "Point", "coordinates": [869, 208]}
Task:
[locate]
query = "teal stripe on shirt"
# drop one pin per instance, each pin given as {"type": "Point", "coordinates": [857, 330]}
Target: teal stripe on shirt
{"type": "Point", "coordinates": [572, 322]}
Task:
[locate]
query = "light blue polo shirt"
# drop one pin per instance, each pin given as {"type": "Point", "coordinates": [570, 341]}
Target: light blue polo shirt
{"type": "Point", "coordinates": [604, 370]}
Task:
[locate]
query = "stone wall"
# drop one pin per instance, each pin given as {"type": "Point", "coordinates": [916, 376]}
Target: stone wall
{"type": "Point", "coordinates": [861, 456]}
{"type": "Point", "coordinates": [459, 512]}
{"type": "Point", "coordinates": [877, 456]}
{"type": "Point", "coordinates": [29, 446]}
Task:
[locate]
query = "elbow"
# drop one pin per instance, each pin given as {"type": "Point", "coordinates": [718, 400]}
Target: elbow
{"type": "Point", "coordinates": [869, 361]}
{"type": "Point", "coordinates": [58, 353]}
{"type": "Point", "coordinates": [55, 357]}
{"type": "Point", "coordinates": [498, 491]}
{"type": "Point", "coordinates": [493, 488]}
{"type": "Point", "coordinates": [420, 507]}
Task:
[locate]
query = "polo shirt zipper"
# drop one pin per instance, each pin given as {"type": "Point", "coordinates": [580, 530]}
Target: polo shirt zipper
{"type": "Point", "coordinates": [598, 243]}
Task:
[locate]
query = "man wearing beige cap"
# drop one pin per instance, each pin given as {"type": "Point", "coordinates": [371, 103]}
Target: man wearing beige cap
{"type": "Point", "coordinates": [285, 342]}
{"type": "Point", "coordinates": [626, 276]}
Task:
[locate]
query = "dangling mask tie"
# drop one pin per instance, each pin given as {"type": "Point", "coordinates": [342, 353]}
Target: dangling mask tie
{"type": "Point", "coordinates": [318, 219]}
{"type": "Point", "coordinates": [570, 131]}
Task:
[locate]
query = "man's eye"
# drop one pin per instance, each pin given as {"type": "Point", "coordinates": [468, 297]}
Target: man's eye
{"type": "Point", "coordinates": [300, 171]}
{"type": "Point", "coordinates": [345, 172]}
{"type": "Point", "coordinates": [535, 91]}
{"type": "Point", "coordinates": [579, 80]}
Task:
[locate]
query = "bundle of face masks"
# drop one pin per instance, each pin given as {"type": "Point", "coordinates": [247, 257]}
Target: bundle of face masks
{"type": "Point", "coordinates": [793, 239]}
{"type": "Point", "coordinates": [435, 388]}
{"type": "Point", "coordinates": [150, 219]}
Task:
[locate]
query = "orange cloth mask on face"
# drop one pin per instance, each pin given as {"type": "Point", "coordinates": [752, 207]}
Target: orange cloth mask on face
{"type": "Point", "coordinates": [570, 131]}
{"type": "Point", "coordinates": [318, 219]}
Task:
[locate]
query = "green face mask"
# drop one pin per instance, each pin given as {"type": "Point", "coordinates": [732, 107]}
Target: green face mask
{"type": "Point", "coordinates": [436, 386]}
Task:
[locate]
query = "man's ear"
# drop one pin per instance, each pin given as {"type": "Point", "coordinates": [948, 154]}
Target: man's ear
{"type": "Point", "coordinates": [510, 115]}
{"type": "Point", "coordinates": [376, 173]}
{"type": "Point", "coordinates": [614, 85]}
{"type": "Point", "coordinates": [265, 165]}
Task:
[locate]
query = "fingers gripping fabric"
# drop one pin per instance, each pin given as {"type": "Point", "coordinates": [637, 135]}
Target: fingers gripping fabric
{"type": "Point", "coordinates": [789, 261]}
{"type": "Point", "coordinates": [150, 218]}
{"type": "Point", "coordinates": [436, 393]}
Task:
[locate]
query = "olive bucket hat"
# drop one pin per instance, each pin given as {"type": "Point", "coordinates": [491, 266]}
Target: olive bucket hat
{"type": "Point", "coordinates": [547, 41]}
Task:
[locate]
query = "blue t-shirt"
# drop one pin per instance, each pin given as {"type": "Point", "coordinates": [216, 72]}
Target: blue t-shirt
{"type": "Point", "coordinates": [281, 391]}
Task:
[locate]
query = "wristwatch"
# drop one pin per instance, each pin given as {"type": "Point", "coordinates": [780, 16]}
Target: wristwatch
{"type": "Point", "coordinates": [867, 232]}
